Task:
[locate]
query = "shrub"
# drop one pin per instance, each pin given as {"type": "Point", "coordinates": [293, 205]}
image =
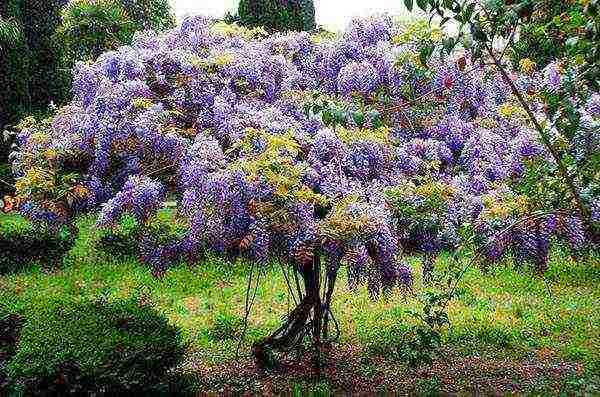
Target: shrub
{"type": "Point", "coordinates": [150, 14]}
{"type": "Point", "coordinates": [277, 15]}
{"type": "Point", "coordinates": [156, 241]}
{"type": "Point", "coordinates": [122, 238]}
{"type": "Point", "coordinates": [89, 28]}
{"type": "Point", "coordinates": [22, 243]}
{"type": "Point", "coordinates": [75, 348]}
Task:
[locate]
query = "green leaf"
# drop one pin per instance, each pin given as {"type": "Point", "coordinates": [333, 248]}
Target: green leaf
{"type": "Point", "coordinates": [448, 44]}
{"type": "Point", "coordinates": [359, 118]}
{"type": "Point", "coordinates": [425, 53]}
{"type": "Point", "coordinates": [327, 117]}
{"type": "Point", "coordinates": [408, 4]}
{"type": "Point", "coordinates": [468, 12]}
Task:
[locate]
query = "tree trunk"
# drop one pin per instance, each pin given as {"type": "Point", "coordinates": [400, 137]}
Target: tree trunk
{"type": "Point", "coordinates": [309, 318]}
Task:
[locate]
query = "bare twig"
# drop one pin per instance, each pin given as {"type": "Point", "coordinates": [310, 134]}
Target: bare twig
{"type": "Point", "coordinates": [248, 304]}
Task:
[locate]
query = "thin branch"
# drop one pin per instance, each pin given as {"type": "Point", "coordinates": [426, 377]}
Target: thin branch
{"type": "Point", "coordinates": [555, 155]}
{"type": "Point", "coordinates": [431, 91]}
{"type": "Point", "coordinates": [288, 283]}
{"type": "Point", "coordinates": [248, 304]}
{"type": "Point", "coordinates": [557, 158]}
{"type": "Point", "coordinates": [510, 39]}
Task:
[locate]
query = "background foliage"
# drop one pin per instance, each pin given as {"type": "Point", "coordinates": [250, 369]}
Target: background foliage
{"type": "Point", "coordinates": [40, 42]}
{"type": "Point", "coordinates": [544, 35]}
{"type": "Point", "coordinates": [277, 15]}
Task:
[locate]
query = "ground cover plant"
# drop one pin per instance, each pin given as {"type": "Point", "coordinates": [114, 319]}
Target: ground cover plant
{"type": "Point", "coordinates": [357, 150]}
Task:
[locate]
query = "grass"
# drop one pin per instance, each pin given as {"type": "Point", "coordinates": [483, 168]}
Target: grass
{"type": "Point", "coordinates": [505, 315]}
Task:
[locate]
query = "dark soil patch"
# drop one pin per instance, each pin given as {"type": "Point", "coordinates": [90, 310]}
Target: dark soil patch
{"type": "Point", "coordinates": [10, 326]}
{"type": "Point", "coordinates": [351, 372]}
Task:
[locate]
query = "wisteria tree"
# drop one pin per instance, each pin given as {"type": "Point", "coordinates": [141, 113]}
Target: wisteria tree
{"type": "Point", "coordinates": [351, 150]}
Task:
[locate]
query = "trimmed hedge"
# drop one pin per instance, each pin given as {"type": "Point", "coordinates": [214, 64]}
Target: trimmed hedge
{"type": "Point", "coordinates": [94, 348]}
{"type": "Point", "coordinates": [21, 244]}
{"type": "Point", "coordinates": [278, 15]}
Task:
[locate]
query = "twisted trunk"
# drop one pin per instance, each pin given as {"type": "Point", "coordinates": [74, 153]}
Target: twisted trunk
{"type": "Point", "coordinates": [309, 318]}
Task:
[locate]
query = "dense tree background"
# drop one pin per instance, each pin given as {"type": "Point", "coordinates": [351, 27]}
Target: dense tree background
{"type": "Point", "coordinates": [277, 15]}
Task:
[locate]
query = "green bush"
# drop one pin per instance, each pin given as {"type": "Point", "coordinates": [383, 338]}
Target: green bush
{"type": "Point", "coordinates": [150, 14]}
{"type": "Point", "coordinates": [121, 239]}
{"type": "Point", "coordinates": [22, 244]}
{"type": "Point", "coordinates": [128, 237]}
{"type": "Point", "coordinates": [89, 28]}
{"type": "Point", "coordinates": [277, 15]}
{"type": "Point", "coordinates": [94, 348]}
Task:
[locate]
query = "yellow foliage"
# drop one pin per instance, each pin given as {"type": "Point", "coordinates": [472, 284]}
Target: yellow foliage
{"type": "Point", "coordinates": [527, 65]}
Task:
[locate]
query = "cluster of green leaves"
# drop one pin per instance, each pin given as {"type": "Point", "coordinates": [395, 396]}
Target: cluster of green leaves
{"type": "Point", "coordinates": [277, 15]}
{"type": "Point", "coordinates": [70, 347]}
{"type": "Point", "coordinates": [90, 28]}
{"type": "Point", "coordinates": [482, 24]}
{"type": "Point", "coordinates": [545, 35]}
{"type": "Point", "coordinates": [424, 339]}
{"type": "Point", "coordinates": [121, 239]}
{"type": "Point", "coordinates": [334, 113]}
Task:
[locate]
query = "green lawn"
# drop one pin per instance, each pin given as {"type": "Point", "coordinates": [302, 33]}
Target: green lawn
{"type": "Point", "coordinates": [512, 330]}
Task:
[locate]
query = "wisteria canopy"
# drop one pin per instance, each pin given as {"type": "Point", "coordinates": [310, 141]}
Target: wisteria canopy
{"type": "Point", "coordinates": [296, 145]}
